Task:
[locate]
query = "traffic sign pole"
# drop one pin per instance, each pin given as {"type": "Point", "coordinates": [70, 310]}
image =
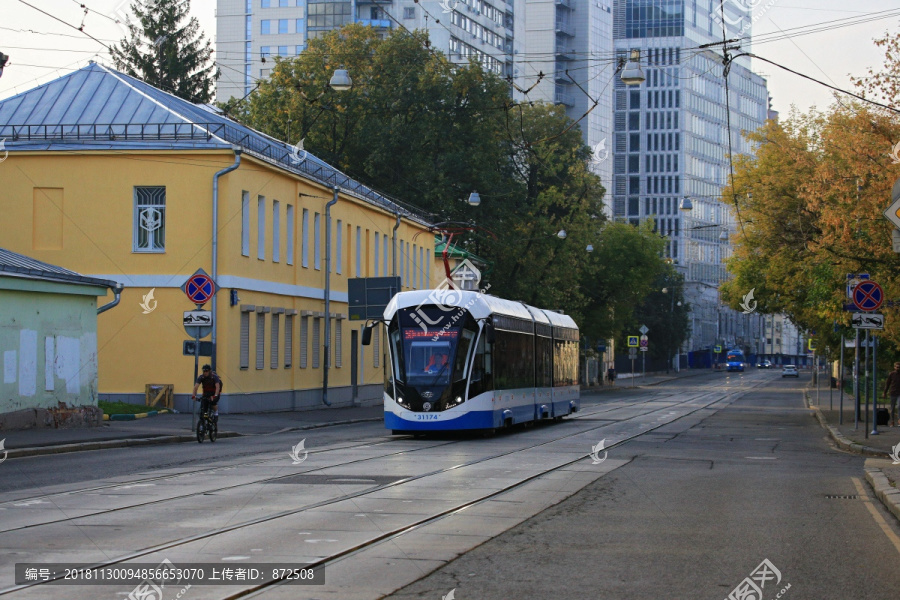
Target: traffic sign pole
{"type": "Point", "coordinates": [196, 374]}
{"type": "Point", "coordinates": [874, 385]}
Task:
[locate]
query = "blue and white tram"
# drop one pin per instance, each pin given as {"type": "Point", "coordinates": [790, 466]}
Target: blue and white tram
{"type": "Point", "coordinates": [463, 360]}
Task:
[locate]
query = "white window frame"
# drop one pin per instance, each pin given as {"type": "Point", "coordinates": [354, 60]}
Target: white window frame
{"type": "Point", "coordinates": [276, 231]}
{"type": "Point", "coordinates": [339, 250]}
{"type": "Point", "coordinates": [317, 240]}
{"type": "Point", "coordinates": [291, 233]}
{"type": "Point", "coordinates": [138, 208]}
{"type": "Point", "coordinates": [245, 223]}
{"type": "Point", "coordinates": [261, 228]}
{"type": "Point", "coordinates": [377, 252]}
{"type": "Point", "coordinates": [304, 258]}
{"type": "Point", "coordinates": [358, 250]}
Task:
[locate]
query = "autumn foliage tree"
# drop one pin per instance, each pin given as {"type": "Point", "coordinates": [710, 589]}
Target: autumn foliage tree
{"type": "Point", "coordinates": [810, 205]}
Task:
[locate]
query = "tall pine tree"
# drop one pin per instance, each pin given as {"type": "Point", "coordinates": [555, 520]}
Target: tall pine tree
{"type": "Point", "coordinates": [166, 53]}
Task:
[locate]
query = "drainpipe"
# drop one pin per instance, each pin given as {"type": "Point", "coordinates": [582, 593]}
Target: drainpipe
{"type": "Point", "coordinates": [396, 225]}
{"type": "Point", "coordinates": [215, 243]}
{"type": "Point", "coordinates": [328, 295]}
{"type": "Point", "coordinates": [117, 290]}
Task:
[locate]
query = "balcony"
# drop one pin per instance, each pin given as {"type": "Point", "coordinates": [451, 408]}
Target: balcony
{"type": "Point", "coordinates": [565, 98]}
{"type": "Point", "coordinates": [563, 52]}
{"type": "Point", "coordinates": [564, 28]}
{"type": "Point", "coordinates": [383, 23]}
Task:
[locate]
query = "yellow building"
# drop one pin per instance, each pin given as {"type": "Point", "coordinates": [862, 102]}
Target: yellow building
{"type": "Point", "coordinates": [110, 177]}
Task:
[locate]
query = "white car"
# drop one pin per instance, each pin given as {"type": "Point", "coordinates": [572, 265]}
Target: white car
{"type": "Point", "coordinates": [789, 371]}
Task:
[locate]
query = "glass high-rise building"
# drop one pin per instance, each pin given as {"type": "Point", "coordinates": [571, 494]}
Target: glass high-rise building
{"type": "Point", "coordinates": [250, 32]}
{"type": "Point", "coordinates": [671, 142]}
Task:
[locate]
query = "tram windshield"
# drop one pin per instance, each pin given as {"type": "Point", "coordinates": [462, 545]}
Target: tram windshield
{"type": "Point", "coordinates": [735, 357]}
{"type": "Point", "coordinates": [429, 356]}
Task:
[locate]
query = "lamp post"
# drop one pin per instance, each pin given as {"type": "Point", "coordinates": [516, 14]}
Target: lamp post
{"type": "Point", "coordinates": [340, 82]}
{"type": "Point", "coordinates": [672, 362]}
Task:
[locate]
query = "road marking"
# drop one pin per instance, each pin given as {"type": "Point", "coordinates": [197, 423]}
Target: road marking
{"type": "Point", "coordinates": [761, 457]}
{"type": "Point", "coordinates": [864, 496]}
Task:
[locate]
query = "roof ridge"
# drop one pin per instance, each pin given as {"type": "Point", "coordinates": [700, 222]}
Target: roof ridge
{"type": "Point", "coordinates": [116, 74]}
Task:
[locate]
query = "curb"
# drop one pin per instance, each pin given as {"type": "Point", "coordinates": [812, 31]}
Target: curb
{"type": "Point", "coordinates": [124, 443]}
{"type": "Point", "coordinates": [132, 417]}
{"type": "Point", "coordinates": [884, 491]}
{"type": "Point", "coordinates": [163, 439]}
{"type": "Point", "coordinates": [840, 439]}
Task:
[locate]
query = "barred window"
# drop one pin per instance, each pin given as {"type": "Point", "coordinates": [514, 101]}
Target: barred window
{"type": "Point", "coordinates": [304, 336]}
{"type": "Point", "coordinates": [288, 341]}
{"type": "Point", "coordinates": [316, 336]}
{"type": "Point", "coordinates": [245, 340]}
{"type": "Point", "coordinates": [260, 340]}
{"type": "Point", "coordinates": [337, 343]}
{"type": "Point", "coordinates": [149, 219]}
{"type": "Point", "coordinates": [273, 359]}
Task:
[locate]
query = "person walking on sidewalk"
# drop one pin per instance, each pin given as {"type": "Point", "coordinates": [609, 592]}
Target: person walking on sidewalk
{"type": "Point", "coordinates": [892, 389]}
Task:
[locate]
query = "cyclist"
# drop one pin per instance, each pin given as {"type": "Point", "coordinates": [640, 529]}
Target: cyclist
{"type": "Point", "coordinates": [212, 385]}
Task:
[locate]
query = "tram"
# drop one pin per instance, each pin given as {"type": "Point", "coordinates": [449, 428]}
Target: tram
{"type": "Point", "coordinates": [462, 360]}
{"type": "Point", "coordinates": [734, 360]}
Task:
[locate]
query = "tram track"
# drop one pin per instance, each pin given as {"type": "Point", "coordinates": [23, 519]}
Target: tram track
{"type": "Point", "coordinates": [618, 405]}
{"type": "Point", "coordinates": [702, 397]}
{"type": "Point", "coordinates": [583, 414]}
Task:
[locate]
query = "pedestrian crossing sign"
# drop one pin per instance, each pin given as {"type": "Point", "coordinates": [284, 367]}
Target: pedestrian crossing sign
{"type": "Point", "coordinates": [633, 341]}
{"type": "Point", "coordinates": [718, 349]}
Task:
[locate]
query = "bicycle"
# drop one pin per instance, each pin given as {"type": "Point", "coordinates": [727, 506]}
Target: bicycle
{"type": "Point", "coordinates": [207, 425]}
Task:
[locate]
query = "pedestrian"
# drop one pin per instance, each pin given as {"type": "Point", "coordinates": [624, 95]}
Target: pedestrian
{"type": "Point", "coordinates": [892, 389]}
{"type": "Point", "coordinates": [611, 375]}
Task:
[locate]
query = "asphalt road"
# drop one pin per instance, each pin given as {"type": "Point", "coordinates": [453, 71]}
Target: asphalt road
{"type": "Point", "coordinates": [700, 505]}
{"type": "Point", "coordinates": [703, 480]}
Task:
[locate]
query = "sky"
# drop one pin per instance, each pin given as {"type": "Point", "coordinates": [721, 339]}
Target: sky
{"type": "Point", "coordinates": [42, 49]}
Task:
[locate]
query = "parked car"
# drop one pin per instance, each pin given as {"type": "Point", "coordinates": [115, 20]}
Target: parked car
{"type": "Point", "coordinates": [790, 371]}
{"type": "Point", "coordinates": [766, 364]}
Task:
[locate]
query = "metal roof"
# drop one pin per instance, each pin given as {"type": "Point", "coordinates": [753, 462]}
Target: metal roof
{"type": "Point", "coordinates": [18, 265]}
{"type": "Point", "coordinates": [99, 108]}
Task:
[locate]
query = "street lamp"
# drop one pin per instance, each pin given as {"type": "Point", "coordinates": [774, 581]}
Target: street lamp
{"type": "Point", "coordinates": [340, 81]}
{"type": "Point", "coordinates": [677, 366]}
{"type": "Point", "coordinates": [474, 199]}
{"type": "Point", "coordinates": [3, 59]}
{"type": "Point", "coordinates": [631, 70]}
{"type": "Point", "coordinates": [686, 205]}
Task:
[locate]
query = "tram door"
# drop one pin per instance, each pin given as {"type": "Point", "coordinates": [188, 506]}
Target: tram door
{"type": "Point", "coordinates": [354, 363]}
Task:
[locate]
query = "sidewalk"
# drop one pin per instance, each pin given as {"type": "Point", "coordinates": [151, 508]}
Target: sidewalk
{"type": "Point", "coordinates": [881, 472]}
{"type": "Point", "coordinates": [176, 427]}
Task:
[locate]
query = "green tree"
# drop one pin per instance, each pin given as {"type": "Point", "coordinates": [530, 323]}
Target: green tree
{"type": "Point", "coordinates": [166, 52]}
{"type": "Point", "coordinates": [665, 313]}
{"type": "Point", "coordinates": [430, 132]}
{"type": "Point", "coordinates": [413, 125]}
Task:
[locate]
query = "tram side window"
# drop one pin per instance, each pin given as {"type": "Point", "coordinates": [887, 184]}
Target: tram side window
{"type": "Point", "coordinates": [565, 363]}
{"type": "Point", "coordinates": [543, 364]}
{"type": "Point", "coordinates": [482, 376]}
{"type": "Point", "coordinates": [515, 360]}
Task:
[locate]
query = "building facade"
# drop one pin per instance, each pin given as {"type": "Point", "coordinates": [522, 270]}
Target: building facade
{"type": "Point", "coordinates": [48, 340]}
{"type": "Point", "coordinates": [672, 137]}
{"type": "Point", "coordinates": [250, 32]}
{"type": "Point", "coordinates": [567, 59]}
{"type": "Point", "coordinates": [111, 177]}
